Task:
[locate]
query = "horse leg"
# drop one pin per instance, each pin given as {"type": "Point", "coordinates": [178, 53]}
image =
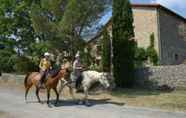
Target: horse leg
{"type": "Point", "coordinates": [61, 86]}
{"type": "Point", "coordinates": [57, 95]}
{"type": "Point", "coordinates": [26, 92]}
{"type": "Point", "coordinates": [71, 92]}
{"type": "Point", "coordinates": [37, 94]}
{"type": "Point", "coordinates": [48, 96]}
{"type": "Point", "coordinates": [86, 96]}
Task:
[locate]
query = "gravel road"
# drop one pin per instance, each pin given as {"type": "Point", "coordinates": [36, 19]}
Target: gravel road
{"type": "Point", "coordinates": [12, 105]}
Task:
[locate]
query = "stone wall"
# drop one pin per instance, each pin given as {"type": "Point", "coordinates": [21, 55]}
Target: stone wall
{"type": "Point", "coordinates": [12, 78]}
{"type": "Point", "coordinates": [153, 77]}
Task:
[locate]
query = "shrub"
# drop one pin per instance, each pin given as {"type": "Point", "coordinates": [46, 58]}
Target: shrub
{"type": "Point", "coordinates": [6, 61]}
{"type": "Point", "coordinates": [24, 65]}
{"type": "Point", "coordinates": [140, 57]}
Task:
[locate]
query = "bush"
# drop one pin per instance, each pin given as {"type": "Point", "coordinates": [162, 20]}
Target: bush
{"type": "Point", "coordinates": [6, 61]}
{"type": "Point", "coordinates": [24, 65]}
{"type": "Point", "coordinates": [140, 57]}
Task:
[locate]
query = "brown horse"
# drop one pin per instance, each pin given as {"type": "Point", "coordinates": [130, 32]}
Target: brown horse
{"type": "Point", "coordinates": [51, 83]}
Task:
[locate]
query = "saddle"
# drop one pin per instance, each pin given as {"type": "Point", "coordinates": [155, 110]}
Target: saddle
{"type": "Point", "coordinates": [53, 72]}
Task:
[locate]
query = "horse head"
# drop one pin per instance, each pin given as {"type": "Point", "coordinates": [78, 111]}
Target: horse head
{"type": "Point", "coordinates": [104, 79]}
{"type": "Point", "coordinates": [65, 71]}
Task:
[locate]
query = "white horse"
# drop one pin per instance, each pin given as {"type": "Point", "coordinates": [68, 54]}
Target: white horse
{"type": "Point", "coordinates": [89, 78]}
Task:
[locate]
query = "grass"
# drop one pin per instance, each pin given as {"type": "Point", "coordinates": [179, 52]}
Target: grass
{"type": "Point", "coordinates": [4, 115]}
{"type": "Point", "coordinates": [171, 101]}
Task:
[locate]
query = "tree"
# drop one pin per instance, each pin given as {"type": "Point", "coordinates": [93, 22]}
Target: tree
{"type": "Point", "coordinates": [15, 24]}
{"type": "Point", "coordinates": [16, 33]}
{"type": "Point", "coordinates": [66, 21]}
{"type": "Point", "coordinates": [151, 52]}
{"type": "Point", "coordinates": [123, 47]}
{"type": "Point", "coordinates": [106, 51]}
{"type": "Point", "coordinates": [30, 27]}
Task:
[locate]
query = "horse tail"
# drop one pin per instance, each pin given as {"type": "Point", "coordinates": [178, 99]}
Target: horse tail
{"type": "Point", "coordinates": [26, 80]}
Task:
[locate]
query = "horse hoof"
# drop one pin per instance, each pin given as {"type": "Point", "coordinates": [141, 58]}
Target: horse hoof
{"type": "Point", "coordinates": [80, 102]}
{"type": "Point", "coordinates": [49, 105]}
{"type": "Point", "coordinates": [55, 104]}
{"type": "Point", "coordinates": [88, 104]}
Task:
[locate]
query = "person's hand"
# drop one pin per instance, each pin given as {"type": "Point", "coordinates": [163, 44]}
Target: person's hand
{"type": "Point", "coordinates": [79, 68]}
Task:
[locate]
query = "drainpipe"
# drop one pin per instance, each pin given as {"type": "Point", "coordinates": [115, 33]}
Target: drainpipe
{"type": "Point", "coordinates": [159, 36]}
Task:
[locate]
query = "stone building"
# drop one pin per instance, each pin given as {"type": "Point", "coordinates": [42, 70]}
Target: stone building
{"type": "Point", "coordinates": [169, 31]}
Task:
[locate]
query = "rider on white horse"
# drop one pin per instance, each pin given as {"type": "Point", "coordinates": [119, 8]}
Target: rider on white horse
{"type": "Point", "coordinates": [77, 68]}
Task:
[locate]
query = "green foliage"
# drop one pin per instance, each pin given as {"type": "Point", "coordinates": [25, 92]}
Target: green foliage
{"type": "Point", "coordinates": [7, 61]}
{"type": "Point", "coordinates": [34, 27]}
{"type": "Point", "coordinates": [24, 65]}
{"type": "Point", "coordinates": [151, 52]}
{"type": "Point", "coordinates": [106, 51]}
{"type": "Point", "coordinates": [95, 67]}
{"type": "Point", "coordinates": [123, 47]}
{"type": "Point", "coordinates": [140, 57]}
{"type": "Point", "coordinates": [62, 22]}
{"type": "Point", "coordinates": [15, 23]}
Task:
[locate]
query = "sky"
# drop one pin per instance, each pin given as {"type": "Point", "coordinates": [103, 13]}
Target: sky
{"type": "Point", "coordinates": [178, 6]}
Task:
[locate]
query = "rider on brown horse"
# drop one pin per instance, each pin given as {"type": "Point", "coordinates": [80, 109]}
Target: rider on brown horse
{"type": "Point", "coordinates": [44, 66]}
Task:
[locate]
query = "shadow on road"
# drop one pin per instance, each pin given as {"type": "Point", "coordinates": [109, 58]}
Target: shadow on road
{"type": "Point", "coordinates": [93, 102]}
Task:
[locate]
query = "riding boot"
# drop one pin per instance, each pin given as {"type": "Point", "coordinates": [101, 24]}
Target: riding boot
{"type": "Point", "coordinates": [39, 84]}
{"type": "Point", "coordinates": [78, 85]}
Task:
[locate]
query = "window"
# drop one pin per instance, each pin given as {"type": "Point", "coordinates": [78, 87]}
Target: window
{"type": "Point", "coordinates": [176, 57]}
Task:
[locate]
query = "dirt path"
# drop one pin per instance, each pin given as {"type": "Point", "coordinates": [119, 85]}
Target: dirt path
{"type": "Point", "coordinates": [12, 105]}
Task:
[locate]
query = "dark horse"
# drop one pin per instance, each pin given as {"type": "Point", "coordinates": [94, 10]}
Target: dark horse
{"type": "Point", "coordinates": [51, 83]}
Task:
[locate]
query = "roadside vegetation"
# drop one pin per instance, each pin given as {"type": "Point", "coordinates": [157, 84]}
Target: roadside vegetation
{"type": "Point", "coordinates": [170, 101]}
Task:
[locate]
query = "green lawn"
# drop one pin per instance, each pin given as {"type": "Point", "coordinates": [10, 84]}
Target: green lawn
{"type": "Point", "coordinates": [171, 101]}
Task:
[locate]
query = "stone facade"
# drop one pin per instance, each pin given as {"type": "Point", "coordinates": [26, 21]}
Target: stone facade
{"type": "Point", "coordinates": [94, 44]}
{"type": "Point", "coordinates": [169, 31]}
{"type": "Point", "coordinates": [152, 77]}
{"type": "Point", "coordinates": [168, 28]}
{"type": "Point", "coordinates": [145, 23]}
{"type": "Point", "coordinates": [172, 38]}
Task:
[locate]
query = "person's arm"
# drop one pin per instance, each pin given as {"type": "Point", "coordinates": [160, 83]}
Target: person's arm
{"type": "Point", "coordinates": [41, 64]}
{"type": "Point", "coordinates": [76, 66]}
{"type": "Point", "coordinates": [79, 66]}
{"type": "Point", "coordinates": [49, 65]}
